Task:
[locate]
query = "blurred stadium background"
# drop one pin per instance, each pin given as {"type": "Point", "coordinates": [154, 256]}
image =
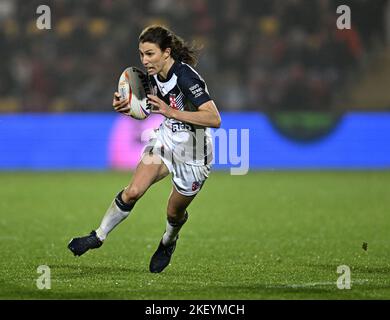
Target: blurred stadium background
{"type": "Point", "coordinates": [260, 56]}
{"type": "Point", "coordinates": [314, 97]}
{"type": "Point", "coordinates": [283, 60]}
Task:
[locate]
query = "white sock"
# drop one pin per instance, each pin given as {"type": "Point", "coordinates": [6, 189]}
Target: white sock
{"type": "Point", "coordinates": [111, 219]}
{"type": "Point", "coordinates": [172, 230]}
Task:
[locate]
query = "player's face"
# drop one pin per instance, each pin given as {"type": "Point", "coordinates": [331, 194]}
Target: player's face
{"type": "Point", "coordinates": [152, 57]}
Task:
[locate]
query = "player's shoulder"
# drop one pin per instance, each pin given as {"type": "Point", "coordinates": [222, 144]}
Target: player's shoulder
{"type": "Point", "coordinates": [185, 71]}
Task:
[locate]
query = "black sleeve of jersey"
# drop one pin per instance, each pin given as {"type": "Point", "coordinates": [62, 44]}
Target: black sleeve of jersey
{"type": "Point", "coordinates": [193, 87]}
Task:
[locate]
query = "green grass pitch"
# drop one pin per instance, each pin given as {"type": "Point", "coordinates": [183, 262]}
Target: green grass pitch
{"type": "Point", "coordinates": [266, 235]}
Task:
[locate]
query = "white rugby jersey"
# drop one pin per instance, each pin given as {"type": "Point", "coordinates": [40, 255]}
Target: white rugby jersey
{"type": "Point", "coordinates": [184, 89]}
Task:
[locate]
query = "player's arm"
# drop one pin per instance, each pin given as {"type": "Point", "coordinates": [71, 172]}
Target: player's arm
{"type": "Point", "coordinates": [194, 89]}
{"type": "Point", "coordinates": [207, 114]}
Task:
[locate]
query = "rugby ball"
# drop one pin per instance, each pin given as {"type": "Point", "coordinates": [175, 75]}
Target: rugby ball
{"type": "Point", "coordinates": [134, 85]}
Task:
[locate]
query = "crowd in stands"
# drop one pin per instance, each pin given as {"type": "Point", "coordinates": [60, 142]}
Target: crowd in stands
{"type": "Point", "coordinates": [257, 54]}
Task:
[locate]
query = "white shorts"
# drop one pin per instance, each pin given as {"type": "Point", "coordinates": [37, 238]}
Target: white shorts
{"type": "Point", "coordinates": [187, 179]}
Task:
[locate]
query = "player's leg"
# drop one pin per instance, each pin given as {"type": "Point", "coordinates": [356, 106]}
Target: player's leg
{"type": "Point", "coordinates": [176, 217]}
{"type": "Point", "coordinates": [187, 180]}
{"type": "Point", "coordinates": [150, 170]}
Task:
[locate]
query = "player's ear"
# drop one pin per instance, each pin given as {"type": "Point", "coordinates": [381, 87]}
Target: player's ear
{"type": "Point", "coordinates": [167, 53]}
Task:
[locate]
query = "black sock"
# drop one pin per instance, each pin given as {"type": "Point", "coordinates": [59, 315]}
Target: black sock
{"type": "Point", "coordinates": [121, 204]}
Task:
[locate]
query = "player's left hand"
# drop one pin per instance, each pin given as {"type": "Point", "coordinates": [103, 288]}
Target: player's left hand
{"type": "Point", "coordinates": [159, 106]}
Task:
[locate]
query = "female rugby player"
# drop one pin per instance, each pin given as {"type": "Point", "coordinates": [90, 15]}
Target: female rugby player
{"type": "Point", "coordinates": [181, 145]}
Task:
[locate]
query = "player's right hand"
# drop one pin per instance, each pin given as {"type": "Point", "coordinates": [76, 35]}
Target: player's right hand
{"type": "Point", "coordinates": [119, 105]}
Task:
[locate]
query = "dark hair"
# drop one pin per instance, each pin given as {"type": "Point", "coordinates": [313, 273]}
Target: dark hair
{"type": "Point", "coordinates": [165, 38]}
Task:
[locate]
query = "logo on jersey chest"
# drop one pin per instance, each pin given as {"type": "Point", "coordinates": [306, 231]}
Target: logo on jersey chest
{"type": "Point", "coordinates": [172, 101]}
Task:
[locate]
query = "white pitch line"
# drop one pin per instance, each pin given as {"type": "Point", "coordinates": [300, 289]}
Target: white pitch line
{"type": "Point", "coordinates": [313, 284]}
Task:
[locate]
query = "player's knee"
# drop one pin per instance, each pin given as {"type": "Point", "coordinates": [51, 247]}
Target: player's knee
{"type": "Point", "coordinates": [131, 194]}
{"type": "Point", "coordinates": [175, 214]}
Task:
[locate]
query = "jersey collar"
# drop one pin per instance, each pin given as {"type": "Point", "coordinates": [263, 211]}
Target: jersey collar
{"type": "Point", "coordinates": [170, 73]}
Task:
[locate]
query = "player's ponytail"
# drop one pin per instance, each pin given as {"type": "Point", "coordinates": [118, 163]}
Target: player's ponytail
{"type": "Point", "coordinates": [184, 52]}
{"type": "Point", "coordinates": [165, 38]}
